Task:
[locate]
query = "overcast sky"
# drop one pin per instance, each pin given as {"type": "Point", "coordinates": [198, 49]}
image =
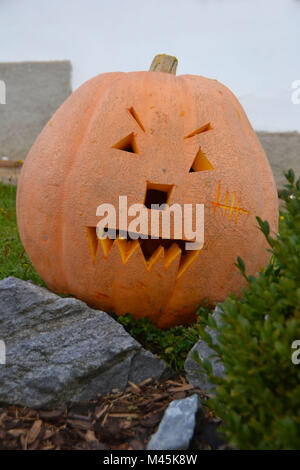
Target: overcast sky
{"type": "Point", "coordinates": [252, 46]}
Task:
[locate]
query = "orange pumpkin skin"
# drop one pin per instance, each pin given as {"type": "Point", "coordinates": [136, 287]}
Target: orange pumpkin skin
{"type": "Point", "coordinates": [73, 167]}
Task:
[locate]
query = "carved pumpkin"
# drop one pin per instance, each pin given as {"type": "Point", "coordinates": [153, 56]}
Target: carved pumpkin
{"type": "Point", "coordinates": [150, 136]}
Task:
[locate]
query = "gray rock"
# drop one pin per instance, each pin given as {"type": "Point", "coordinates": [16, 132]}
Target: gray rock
{"type": "Point", "coordinates": [177, 426]}
{"type": "Point", "coordinates": [196, 375]}
{"type": "Point", "coordinates": [59, 350]}
{"type": "Point", "coordinates": [217, 317]}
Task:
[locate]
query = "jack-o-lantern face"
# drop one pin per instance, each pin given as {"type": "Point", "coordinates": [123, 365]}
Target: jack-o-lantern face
{"type": "Point", "coordinates": [155, 138]}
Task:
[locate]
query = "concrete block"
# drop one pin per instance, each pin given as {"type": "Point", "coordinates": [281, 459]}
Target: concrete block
{"type": "Point", "coordinates": [34, 91]}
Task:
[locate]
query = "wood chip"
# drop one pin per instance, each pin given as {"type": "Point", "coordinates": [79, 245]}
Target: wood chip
{"type": "Point", "coordinates": [123, 415]}
{"type": "Point", "coordinates": [17, 432]}
{"type": "Point", "coordinates": [134, 387]}
{"type": "Point", "coordinates": [90, 436]}
{"type": "Point", "coordinates": [172, 382]}
{"type": "Point", "coordinates": [79, 417]}
{"type": "Point", "coordinates": [152, 420]}
{"type": "Point", "coordinates": [48, 434]}
{"type": "Point", "coordinates": [47, 446]}
{"type": "Point", "coordinates": [76, 423]}
{"type": "Point", "coordinates": [121, 397]}
{"type": "Point", "coordinates": [101, 412]}
{"type": "Point", "coordinates": [183, 388]}
{"type": "Point", "coordinates": [2, 418]}
{"type": "Point", "coordinates": [35, 431]}
{"type": "Point", "coordinates": [24, 440]}
{"type": "Point", "coordinates": [145, 382]}
{"type": "Point", "coordinates": [33, 414]}
{"type": "Point", "coordinates": [51, 415]}
{"type": "Point", "coordinates": [127, 424]}
{"type": "Point", "coordinates": [104, 420]}
{"type": "Point", "coordinates": [178, 395]}
{"type": "Point", "coordinates": [35, 445]}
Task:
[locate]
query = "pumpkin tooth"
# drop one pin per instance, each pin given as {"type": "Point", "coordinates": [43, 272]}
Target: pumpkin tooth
{"type": "Point", "coordinates": [126, 247]}
{"type": "Point", "coordinates": [151, 250]}
{"type": "Point", "coordinates": [149, 263]}
{"type": "Point", "coordinates": [171, 253]}
{"type": "Point", "coordinates": [93, 241]}
{"type": "Point", "coordinates": [106, 244]}
{"type": "Point", "coordinates": [186, 261]}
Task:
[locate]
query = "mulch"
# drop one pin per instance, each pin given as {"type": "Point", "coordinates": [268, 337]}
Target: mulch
{"type": "Point", "coordinates": [118, 420]}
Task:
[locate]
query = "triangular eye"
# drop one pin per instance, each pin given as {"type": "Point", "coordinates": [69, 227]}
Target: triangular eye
{"type": "Point", "coordinates": [201, 162]}
{"type": "Point", "coordinates": [127, 144]}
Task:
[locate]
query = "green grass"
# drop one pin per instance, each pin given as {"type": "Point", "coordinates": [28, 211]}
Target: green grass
{"type": "Point", "coordinates": [13, 259]}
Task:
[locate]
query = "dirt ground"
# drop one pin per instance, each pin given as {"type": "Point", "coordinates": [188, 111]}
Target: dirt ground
{"type": "Point", "coordinates": [116, 421]}
{"type": "Point", "coordinates": [282, 149]}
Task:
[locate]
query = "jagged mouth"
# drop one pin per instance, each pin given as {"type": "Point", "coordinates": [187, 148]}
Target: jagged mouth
{"type": "Point", "coordinates": [151, 248]}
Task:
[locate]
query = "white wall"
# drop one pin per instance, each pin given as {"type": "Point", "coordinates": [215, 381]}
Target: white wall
{"type": "Point", "coordinates": [250, 45]}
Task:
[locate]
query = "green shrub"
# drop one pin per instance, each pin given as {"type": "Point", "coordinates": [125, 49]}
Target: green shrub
{"type": "Point", "coordinates": [259, 398]}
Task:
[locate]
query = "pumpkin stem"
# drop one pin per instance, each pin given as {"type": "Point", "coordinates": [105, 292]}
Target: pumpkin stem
{"type": "Point", "coordinates": [164, 63]}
